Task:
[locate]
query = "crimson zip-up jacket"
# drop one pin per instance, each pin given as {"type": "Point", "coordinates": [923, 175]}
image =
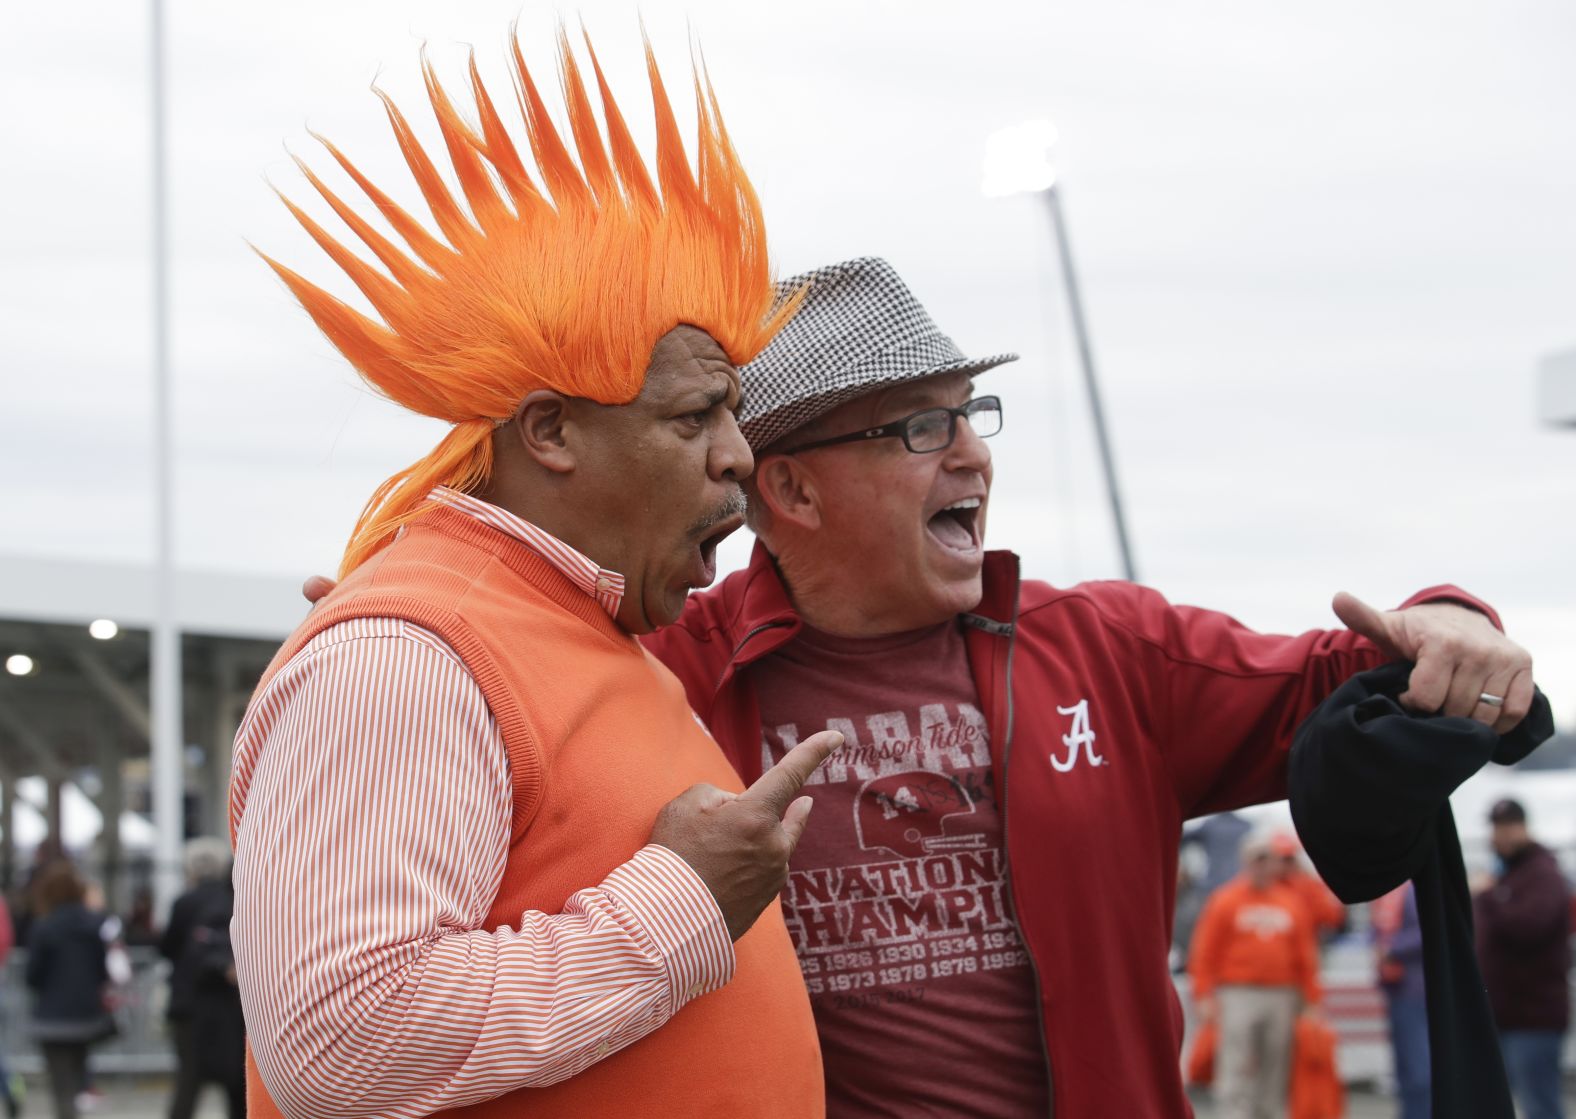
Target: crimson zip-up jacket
{"type": "Point", "coordinates": [1113, 717]}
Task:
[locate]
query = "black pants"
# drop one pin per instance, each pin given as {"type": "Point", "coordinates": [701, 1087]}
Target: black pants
{"type": "Point", "coordinates": [189, 1078]}
{"type": "Point", "coordinates": [67, 1065]}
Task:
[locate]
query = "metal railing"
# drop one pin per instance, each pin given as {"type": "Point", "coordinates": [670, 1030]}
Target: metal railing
{"type": "Point", "coordinates": [142, 1044]}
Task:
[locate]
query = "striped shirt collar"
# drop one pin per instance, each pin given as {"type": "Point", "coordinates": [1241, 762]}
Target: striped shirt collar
{"type": "Point", "coordinates": [607, 587]}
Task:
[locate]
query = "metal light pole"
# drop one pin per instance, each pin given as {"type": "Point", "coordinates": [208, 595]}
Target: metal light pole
{"type": "Point", "coordinates": [165, 762]}
{"type": "Point", "coordinates": [1017, 161]}
{"type": "Point", "coordinates": [1091, 382]}
{"type": "Point", "coordinates": [1557, 389]}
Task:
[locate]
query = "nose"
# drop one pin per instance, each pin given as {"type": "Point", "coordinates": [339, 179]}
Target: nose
{"type": "Point", "coordinates": [969, 450]}
{"type": "Point", "coordinates": [730, 457]}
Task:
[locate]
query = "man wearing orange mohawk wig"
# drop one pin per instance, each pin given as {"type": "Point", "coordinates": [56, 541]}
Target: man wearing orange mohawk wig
{"type": "Point", "coordinates": [486, 857]}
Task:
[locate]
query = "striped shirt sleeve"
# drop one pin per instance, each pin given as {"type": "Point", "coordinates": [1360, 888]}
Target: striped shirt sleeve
{"type": "Point", "coordinates": [372, 804]}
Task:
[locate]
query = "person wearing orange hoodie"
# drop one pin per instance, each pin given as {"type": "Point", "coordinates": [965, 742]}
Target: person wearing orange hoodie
{"type": "Point", "coordinates": [1323, 906]}
{"type": "Point", "coordinates": [1254, 967]}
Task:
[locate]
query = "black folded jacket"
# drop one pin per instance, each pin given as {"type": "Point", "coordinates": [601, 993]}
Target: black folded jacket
{"type": "Point", "coordinates": [1369, 785]}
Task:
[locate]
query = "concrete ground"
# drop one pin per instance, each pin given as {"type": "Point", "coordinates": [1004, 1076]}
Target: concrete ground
{"type": "Point", "coordinates": [127, 1097]}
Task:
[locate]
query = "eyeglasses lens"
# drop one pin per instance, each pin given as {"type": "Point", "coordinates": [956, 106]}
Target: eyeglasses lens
{"type": "Point", "coordinates": [985, 417]}
{"type": "Point", "coordinates": [933, 430]}
{"type": "Point", "coordinates": [930, 431]}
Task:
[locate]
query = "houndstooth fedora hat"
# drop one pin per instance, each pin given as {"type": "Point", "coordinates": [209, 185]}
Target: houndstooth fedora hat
{"type": "Point", "coordinates": [859, 328]}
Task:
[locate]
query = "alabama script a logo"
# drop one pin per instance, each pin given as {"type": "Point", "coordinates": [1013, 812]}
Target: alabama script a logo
{"type": "Point", "coordinates": [1080, 738]}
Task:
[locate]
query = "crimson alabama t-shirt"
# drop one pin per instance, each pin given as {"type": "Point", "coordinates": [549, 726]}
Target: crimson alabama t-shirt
{"type": "Point", "coordinates": [897, 898]}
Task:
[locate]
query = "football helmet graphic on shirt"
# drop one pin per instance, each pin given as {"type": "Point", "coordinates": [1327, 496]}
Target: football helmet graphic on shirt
{"type": "Point", "coordinates": [906, 813]}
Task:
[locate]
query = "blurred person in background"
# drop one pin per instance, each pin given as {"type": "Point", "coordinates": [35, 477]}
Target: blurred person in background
{"type": "Point", "coordinates": [1254, 967]}
{"type": "Point", "coordinates": [10, 1093]}
{"type": "Point", "coordinates": [117, 962]}
{"type": "Point", "coordinates": [140, 930]}
{"type": "Point", "coordinates": [1398, 946]}
{"type": "Point", "coordinates": [1192, 871]}
{"type": "Point", "coordinates": [190, 943]}
{"type": "Point", "coordinates": [1326, 910]}
{"type": "Point", "coordinates": [68, 972]}
{"type": "Point", "coordinates": [1220, 837]}
{"type": "Point", "coordinates": [45, 854]}
{"type": "Point", "coordinates": [216, 1019]}
{"type": "Point", "coordinates": [1523, 919]}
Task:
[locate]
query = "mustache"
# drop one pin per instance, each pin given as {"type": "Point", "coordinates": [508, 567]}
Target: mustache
{"type": "Point", "coordinates": [735, 505]}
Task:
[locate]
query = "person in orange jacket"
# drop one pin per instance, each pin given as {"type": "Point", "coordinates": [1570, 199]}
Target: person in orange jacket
{"type": "Point", "coordinates": [1254, 967]}
{"type": "Point", "coordinates": [1323, 906]}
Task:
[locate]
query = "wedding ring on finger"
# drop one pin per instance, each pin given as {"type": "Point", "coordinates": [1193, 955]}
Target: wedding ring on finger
{"type": "Point", "coordinates": [1491, 699]}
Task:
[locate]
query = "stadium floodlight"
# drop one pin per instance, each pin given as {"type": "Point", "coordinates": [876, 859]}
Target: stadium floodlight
{"type": "Point", "coordinates": [103, 629]}
{"type": "Point", "coordinates": [19, 664]}
{"type": "Point", "coordinates": [1018, 159]}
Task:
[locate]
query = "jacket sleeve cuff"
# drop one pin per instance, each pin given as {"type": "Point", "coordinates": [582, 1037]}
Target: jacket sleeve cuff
{"type": "Point", "coordinates": [1447, 593]}
{"type": "Point", "coordinates": [677, 911]}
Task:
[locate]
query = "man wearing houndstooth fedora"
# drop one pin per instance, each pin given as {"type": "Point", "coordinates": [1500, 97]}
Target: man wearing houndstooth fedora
{"type": "Point", "coordinates": [982, 910]}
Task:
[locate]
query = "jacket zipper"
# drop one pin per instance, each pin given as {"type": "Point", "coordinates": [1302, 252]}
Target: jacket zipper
{"type": "Point", "coordinates": [1009, 633]}
{"type": "Point", "coordinates": [1011, 637]}
{"type": "Point", "coordinates": [745, 640]}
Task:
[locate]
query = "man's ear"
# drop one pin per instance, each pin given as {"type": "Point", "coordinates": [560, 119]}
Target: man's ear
{"type": "Point", "coordinates": [787, 487]}
{"type": "Point", "coordinates": [540, 423]}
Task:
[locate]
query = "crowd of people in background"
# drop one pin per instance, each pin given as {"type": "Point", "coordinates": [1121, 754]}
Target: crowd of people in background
{"type": "Point", "coordinates": [1252, 921]}
{"type": "Point", "coordinates": [1252, 918]}
{"type": "Point", "coordinates": [78, 968]}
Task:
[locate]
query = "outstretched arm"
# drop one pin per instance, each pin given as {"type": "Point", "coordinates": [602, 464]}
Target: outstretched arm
{"type": "Point", "coordinates": [1233, 697]}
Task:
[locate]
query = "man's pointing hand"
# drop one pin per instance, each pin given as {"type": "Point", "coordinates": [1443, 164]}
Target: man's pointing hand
{"type": "Point", "coordinates": [1463, 664]}
{"type": "Point", "coordinates": [740, 843]}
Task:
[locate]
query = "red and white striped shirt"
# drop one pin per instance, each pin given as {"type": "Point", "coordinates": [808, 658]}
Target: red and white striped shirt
{"type": "Point", "coordinates": [369, 983]}
{"type": "Point", "coordinates": [607, 587]}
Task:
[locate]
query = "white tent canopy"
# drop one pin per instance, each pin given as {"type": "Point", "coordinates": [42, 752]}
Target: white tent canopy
{"type": "Point", "coordinates": [80, 819]}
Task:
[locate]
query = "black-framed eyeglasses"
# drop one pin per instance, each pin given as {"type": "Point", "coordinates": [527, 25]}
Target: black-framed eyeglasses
{"type": "Point", "coordinates": [926, 431]}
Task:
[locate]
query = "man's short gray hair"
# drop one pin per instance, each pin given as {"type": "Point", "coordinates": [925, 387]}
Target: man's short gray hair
{"type": "Point", "coordinates": [207, 858]}
{"type": "Point", "coordinates": [1257, 842]}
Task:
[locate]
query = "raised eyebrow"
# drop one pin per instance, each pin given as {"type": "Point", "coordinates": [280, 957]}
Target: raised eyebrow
{"type": "Point", "coordinates": [711, 399]}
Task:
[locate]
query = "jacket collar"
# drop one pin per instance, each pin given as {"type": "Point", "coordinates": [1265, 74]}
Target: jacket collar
{"type": "Point", "coordinates": [765, 619]}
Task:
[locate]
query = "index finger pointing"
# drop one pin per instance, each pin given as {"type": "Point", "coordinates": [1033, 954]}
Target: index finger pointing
{"type": "Point", "coordinates": [777, 787]}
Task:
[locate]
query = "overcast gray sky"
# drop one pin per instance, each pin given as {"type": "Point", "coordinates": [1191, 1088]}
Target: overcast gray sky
{"type": "Point", "coordinates": [1323, 248]}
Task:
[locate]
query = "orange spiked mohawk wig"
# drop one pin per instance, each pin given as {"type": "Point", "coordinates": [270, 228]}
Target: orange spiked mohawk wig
{"type": "Point", "coordinates": [564, 282]}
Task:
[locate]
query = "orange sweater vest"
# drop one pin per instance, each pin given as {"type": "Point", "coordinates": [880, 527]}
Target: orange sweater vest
{"type": "Point", "coordinates": [599, 737]}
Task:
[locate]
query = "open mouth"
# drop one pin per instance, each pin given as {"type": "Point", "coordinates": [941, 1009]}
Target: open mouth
{"type": "Point", "coordinates": [706, 550]}
{"type": "Point", "coordinates": [956, 528]}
